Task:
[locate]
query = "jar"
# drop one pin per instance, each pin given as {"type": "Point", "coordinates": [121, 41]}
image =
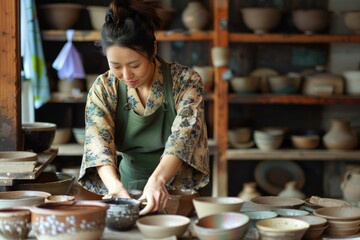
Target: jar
{"type": "Point", "coordinates": [195, 16]}
{"type": "Point", "coordinates": [340, 136]}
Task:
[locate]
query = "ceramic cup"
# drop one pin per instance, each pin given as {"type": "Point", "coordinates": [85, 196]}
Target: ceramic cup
{"type": "Point", "coordinates": [220, 56]}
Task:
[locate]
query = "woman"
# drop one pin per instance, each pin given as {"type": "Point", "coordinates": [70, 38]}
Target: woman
{"type": "Point", "coordinates": [149, 110]}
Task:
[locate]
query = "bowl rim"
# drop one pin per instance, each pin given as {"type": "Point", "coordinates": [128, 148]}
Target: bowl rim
{"type": "Point", "coordinates": [301, 225]}
{"type": "Point", "coordinates": [38, 126]}
{"type": "Point", "coordinates": [239, 224]}
{"type": "Point", "coordinates": [51, 207]}
{"type": "Point", "coordinates": [217, 200]}
{"type": "Point", "coordinates": [320, 212]}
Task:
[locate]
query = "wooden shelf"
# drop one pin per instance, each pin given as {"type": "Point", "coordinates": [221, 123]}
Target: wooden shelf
{"type": "Point", "coordinates": [292, 99]}
{"type": "Point", "coordinates": [293, 38]}
{"type": "Point", "coordinates": [292, 154]}
{"type": "Point", "coordinates": [89, 35]}
{"type": "Point", "coordinates": [44, 159]}
{"type": "Point", "coordinates": [70, 149]}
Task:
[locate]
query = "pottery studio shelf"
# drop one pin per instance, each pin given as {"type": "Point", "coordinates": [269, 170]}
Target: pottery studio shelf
{"type": "Point", "coordinates": [293, 154]}
{"type": "Point", "coordinates": [44, 159]}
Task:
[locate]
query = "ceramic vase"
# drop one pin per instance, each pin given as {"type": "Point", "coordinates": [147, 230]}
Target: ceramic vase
{"type": "Point", "coordinates": [340, 136]}
{"type": "Point", "coordinates": [249, 191]}
{"type": "Point", "coordinates": [292, 191]}
{"type": "Point", "coordinates": [351, 185]}
{"type": "Point", "coordinates": [195, 16]}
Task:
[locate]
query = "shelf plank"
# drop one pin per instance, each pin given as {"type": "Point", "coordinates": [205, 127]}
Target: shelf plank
{"type": "Point", "coordinates": [293, 38]}
{"type": "Point", "coordinates": [44, 159]}
{"type": "Point", "coordinates": [90, 35]}
{"type": "Point", "coordinates": [292, 154]}
{"type": "Point", "coordinates": [293, 99]}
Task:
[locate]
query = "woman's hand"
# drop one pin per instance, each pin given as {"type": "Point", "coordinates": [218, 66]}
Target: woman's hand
{"type": "Point", "coordinates": [117, 193]}
{"type": "Point", "coordinates": [156, 195]}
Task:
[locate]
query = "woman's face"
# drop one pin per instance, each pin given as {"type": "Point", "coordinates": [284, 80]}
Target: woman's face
{"type": "Point", "coordinates": [133, 68]}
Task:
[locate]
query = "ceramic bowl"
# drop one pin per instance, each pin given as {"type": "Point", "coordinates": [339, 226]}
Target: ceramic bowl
{"type": "Point", "coordinates": [311, 21]}
{"type": "Point", "coordinates": [256, 216]}
{"type": "Point", "coordinates": [122, 213]}
{"type": "Point", "coordinates": [268, 139]}
{"type": "Point", "coordinates": [15, 223]}
{"type": "Point", "coordinates": [238, 136]}
{"type": "Point", "coordinates": [207, 76]}
{"type": "Point", "coordinates": [74, 220]}
{"type": "Point", "coordinates": [282, 228]}
{"type": "Point", "coordinates": [227, 225]}
{"type": "Point", "coordinates": [62, 136]}
{"type": "Point", "coordinates": [38, 136]}
{"type": "Point", "coordinates": [334, 224]}
{"type": "Point", "coordinates": [314, 221]}
{"type": "Point", "coordinates": [274, 202]}
{"type": "Point", "coordinates": [284, 84]}
{"type": "Point", "coordinates": [60, 15]}
{"type": "Point", "coordinates": [245, 84]}
{"type": "Point", "coordinates": [343, 232]}
{"type": "Point", "coordinates": [55, 183]}
{"type": "Point", "coordinates": [305, 141]}
{"type": "Point", "coordinates": [261, 20]}
{"type": "Point", "coordinates": [205, 206]}
{"type": "Point", "coordinates": [314, 233]}
{"type": "Point", "coordinates": [180, 202]}
{"type": "Point", "coordinates": [352, 81]}
{"type": "Point", "coordinates": [79, 134]}
{"type": "Point", "coordinates": [167, 16]}
{"type": "Point", "coordinates": [352, 21]}
{"type": "Point", "coordinates": [97, 16]}
{"type": "Point", "coordinates": [22, 198]}
{"type": "Point", "coordinates": [161, 226]}
{"type": "Point", "coordinates": [338, 213]}
{"type": "Point", "coordinates": [289, 212]}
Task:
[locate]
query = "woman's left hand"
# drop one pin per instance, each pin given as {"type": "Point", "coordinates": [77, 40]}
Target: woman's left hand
{"type": "Point", "coordinates": [156, 195]}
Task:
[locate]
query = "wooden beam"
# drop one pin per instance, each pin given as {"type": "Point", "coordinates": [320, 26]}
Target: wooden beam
{"type": "Point", "coordinates": [10, 90]}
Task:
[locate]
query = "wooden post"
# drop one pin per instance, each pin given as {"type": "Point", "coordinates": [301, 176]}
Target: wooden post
{"type": "Point", "coordinates": [10, 90]}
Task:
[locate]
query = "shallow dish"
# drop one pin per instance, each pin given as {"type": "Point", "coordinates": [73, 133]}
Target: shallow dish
{"type": "Point", "coordinates": [287, 212]}
{"type": "Point", "coordinates": [273, 202]}
{"type": "Point", "coordinates": [334, 224]}
{"type": "Point", "coordinates": [314, 221]}
{"type": "Point", "coordinates": [338, 213]}
{"type": "Point", "coordinates": [22, 198]}
{"type": "Point", "coordinates": [343, 232]}
{"type": "Point", "coordinates": [161, 226]}
{"type": "Point", "coordinates": [205, 206]}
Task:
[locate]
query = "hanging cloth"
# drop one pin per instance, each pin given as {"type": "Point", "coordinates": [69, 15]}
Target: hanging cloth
{"type": "Point", "coordinates": [32, 53]}
{"type": "Point", "coordinates": [68, 63]}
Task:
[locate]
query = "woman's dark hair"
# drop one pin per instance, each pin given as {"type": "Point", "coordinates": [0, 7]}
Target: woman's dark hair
{"type": "Point", "coordinates": [131, 24]}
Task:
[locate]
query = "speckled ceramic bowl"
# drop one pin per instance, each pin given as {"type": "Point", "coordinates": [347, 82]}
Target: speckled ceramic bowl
{"type": "Point", "coordinates": [69, 220]}
{"type": "Point", "coordinates": [15, 223]}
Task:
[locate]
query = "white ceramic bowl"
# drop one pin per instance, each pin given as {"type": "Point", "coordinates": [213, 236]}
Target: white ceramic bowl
{"type": "Point", "coordinates": [268, 139]}
{"type": "Point", "coordinates": [205, 206]}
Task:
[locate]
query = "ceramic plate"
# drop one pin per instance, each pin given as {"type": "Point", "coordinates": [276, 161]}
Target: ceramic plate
{"type": "Point", "coordinates": [272, 176]}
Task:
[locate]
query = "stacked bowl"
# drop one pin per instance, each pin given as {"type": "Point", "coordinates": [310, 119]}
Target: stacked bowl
{"type": "Point", "coordinates": [317, 226]}
{"type": "Point", "coordinates": [342, 221]}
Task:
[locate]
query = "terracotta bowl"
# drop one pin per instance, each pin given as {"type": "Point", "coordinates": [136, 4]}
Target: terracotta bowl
{"type": "Point", "coordinates": [274, 202]}
{"type": "Point", "coordinates": [261, 20]}
{"type": "Point", "coordinates": [167, 16]}
{"type": "Point", "coordinates": [60, 15]}
{"type": "Point", "coordinates": [282, 228]}
{"type": "Point", "coordinates": [69, 220]}
{"type": "Point", "coordinates": [227, 225]}
{"type": "Point", "coordinates": [205, 206]}
{"type": "Point", "coordinates": [352, 21]}
{"type": "Point", "coordinates": [305, 141]}
{"type": "Point", "coordinates": [97, 16]}
{"type": "Point", "coordinates": [38, 136]}
{"type": "Point", "coordinates": [311, 21]}
{"type": "Point", "coordinates": [22, 198]}
{"type": "Point", "coordinates": [15, 223]}
{"type": "Point", "coordinates": [289, 212]}
{"type": "Point", "coordinates": [180, 202]}
{"type": "Point", "coordinates": [162, 226]}
{"type": "Point", "coordinates": [122, 213]}
{"type": "Point", "coordinates": [55, 183]}
{"type": "Point", "coordinates": [245, 84]}
{"type": "Point", "coordinates": [338, 213]}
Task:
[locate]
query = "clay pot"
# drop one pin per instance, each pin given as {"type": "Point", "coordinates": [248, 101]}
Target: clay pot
{"type": "Point", "coordinates": [291, 190]}
{"type": "Point", "coordinates": [311, 21]}
{"type": "Point", "coordinates": [15, 223]}
{"type": "Point", "coordinates": [261, 20]}
{"type": "Point", "coordinates": [249, 191]}
{"type": "Point", "coordinates": [352, 21]}
{"type": "Point", "coordinates": [340, 136]}
{"type": "Point", "coordinates": [195, 16]}
{"type": "Point", "coordinates": [351, 185]}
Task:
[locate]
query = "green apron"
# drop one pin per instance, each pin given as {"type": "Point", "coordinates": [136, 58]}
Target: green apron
{"type": "Point", "coordinates": [141, 139]}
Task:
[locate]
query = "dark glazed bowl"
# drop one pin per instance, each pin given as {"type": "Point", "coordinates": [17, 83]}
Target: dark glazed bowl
{"type": "Point", "coordinates": [38, 136]}
{"type": "Point", "coordinates": [122, 213]}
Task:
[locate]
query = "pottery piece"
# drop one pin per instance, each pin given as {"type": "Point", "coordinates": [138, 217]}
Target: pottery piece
{"type": "Point", "coordinates": [97, 16]}
{"type": "Point", "coordinates": [314, 233]}
{"type": "Point", "coordinates": [79, 134]}
{"type": "Point", "coordinates": [195, 16]}
{"type": "Point", "coordinates": [207, 76]}
{"type": "Point", "coordinates": [228, 225]}
{"type": "Point", "coordinates": [62, 136]}
{"type": "Point", "coordinates": [60, 15]}
{"type": "Point", "coordinates": [274, 202]}
{"type": "Point", "coordinates": [352, 82]}
{"type": "Point", "coordinates": [339, 213]}
{"type": "Point", "coordinates": [254, 217]}
{"type": "Point", "coordinates": [314, 221]}
{"type": "Point", "coordinates": [22, 198]}
{"type": "Point", "coordinates": [245, 84]}
{"type": "Point", "coordinates": [323, 84]}
{"type": "Point", "coordinates": [38, 136]}
{"type": "Point", "coordinates": [161, 226]}
{"type": "Point", "coordinates": [289, 212]}
{"type": "Point", "coordinates": [346, 232]}
{"type": "Point", "coordinates": [327, 202]}
{"type": "Point", "coordinates": [122, 213]}
{"type": "Point", "coordinates": [352, 21]}
{"type": "Point", "coordinates": [15, 223]}
{"type": "Point", "coordinates": [220, 56]}
{"type": "Point", "coordinates": [268, 139]}
{"type": "Point", "coordinates": [249, 191]}
{"type": "Point", "coordinates": [264, 74]}
{"type": "Point", "coordinates": [340, 136]}
{"type": "Point", "coordinates": [305, 141]}
{"type": "Point", "coordinates": [291, 190]}
{"type": "Point", "coordinates": [60, 198]}
{"type": "Point", "coordinates": [351, 185]}
{"type": "Point", "coordinates": [240, 135]}
{"type": "Point", "coordinates": [205, 206]}
{"type": "Point", "coordinates": [261, 20]}
{"type": "Point", "coordinates": [78, 220]}
{"type": "Point", "coordinates": [311, 21]}
{"type": "Point", "coordinates": [284, 84]}
{"type": "Point", "coordinates": [180, 202]}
